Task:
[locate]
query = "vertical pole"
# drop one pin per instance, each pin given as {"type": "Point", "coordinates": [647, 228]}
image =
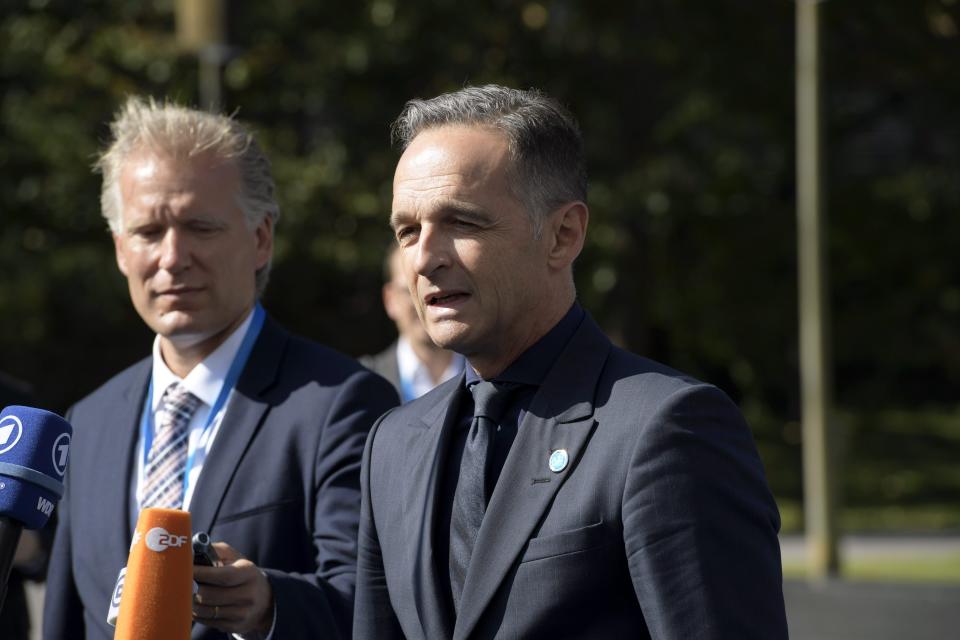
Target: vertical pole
{"type": "Point", "coordinates": [210, 78]}
{"type": "Point", "coordinates": [201, 28]}
{"type": "Point", "coordinates": [818, 472]}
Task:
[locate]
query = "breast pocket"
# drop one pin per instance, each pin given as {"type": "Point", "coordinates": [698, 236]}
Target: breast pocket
{"type": "Point", "coordinates": [268, 508]}
{"type": "Point", "coordinates": [558, 544]}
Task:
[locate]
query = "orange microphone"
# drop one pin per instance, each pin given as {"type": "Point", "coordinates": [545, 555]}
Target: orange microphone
{"type": "Point", "coordinates": [157, 590]}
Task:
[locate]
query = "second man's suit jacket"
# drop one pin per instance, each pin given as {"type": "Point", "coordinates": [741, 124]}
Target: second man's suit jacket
{"type": "Point", "coordinates": [660, 525]}
{"type": "Point", "coordinates": [385, 364]}
{"type": "Point", "coordinates": [280, 484]}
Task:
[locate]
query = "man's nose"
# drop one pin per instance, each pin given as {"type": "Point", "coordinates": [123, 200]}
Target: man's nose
{"type": "Point", "coordinates": [433, 250]}
{"type": "Point", "coordinates": [174, 251]}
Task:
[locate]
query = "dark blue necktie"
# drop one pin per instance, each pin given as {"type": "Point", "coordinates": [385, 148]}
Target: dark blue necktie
{"type": "Point", "coordinates": [470, 499]}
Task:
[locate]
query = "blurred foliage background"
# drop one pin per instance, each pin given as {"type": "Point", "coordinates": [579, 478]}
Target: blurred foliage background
{"type": "Point", "coordinates": [687, 111]}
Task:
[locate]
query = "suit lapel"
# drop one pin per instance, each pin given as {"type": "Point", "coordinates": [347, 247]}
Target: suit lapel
{"type": "Point", "coordinates": [244, 415]}
{"type": "Point", "coordinates": [119, 451]}
{"type": "Point", "coordinates": [427, 462]}
{"type": "Point", "coordinates": [560, 417]}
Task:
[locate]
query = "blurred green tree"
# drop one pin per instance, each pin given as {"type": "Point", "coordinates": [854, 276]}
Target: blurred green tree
{"type": "Point", "coordinates": [687, 111]}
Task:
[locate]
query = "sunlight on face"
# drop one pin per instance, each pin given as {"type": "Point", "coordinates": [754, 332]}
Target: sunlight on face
{"type": "Point", "coordinates": [185, 248]}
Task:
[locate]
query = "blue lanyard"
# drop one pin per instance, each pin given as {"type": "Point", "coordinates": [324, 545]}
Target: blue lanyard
{"type": "Point", "coordinates": [233, 374]}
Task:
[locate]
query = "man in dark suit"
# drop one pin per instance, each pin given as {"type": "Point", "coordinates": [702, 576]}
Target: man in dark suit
{"type": "Point", "coordinates": [412, 363]}
{"type": "Point", "coordinates": [562, 487]}
{"type": "Point", "coordinates": [258, 433]}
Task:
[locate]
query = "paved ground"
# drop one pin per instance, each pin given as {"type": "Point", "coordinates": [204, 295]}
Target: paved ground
{"type": "Point", "coordinates": [841, 610]}
{"type": "Point", "coordinates": [849, 610]}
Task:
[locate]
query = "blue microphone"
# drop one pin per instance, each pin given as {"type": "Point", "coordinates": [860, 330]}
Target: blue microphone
{"type": "Point", "coordinates": [34, 447]}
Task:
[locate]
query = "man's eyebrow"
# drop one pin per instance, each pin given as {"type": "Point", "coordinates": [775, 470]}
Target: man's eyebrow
{"type": "Point", "coordinates": [133, 226]}
{"type": "Point", "coordinates": [446, 209]}
{"type": "Point", "coordinates": [205, 217]}
{"type": "Point", "coordinates": [467, 211]}
{"type": "Point", "coordinates": [396, 217]}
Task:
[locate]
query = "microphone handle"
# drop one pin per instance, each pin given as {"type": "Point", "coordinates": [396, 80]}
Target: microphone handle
{"type": "Point", "coordinates": [10, 530]}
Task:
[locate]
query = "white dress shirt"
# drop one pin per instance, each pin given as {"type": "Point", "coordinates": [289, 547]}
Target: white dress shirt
{"type": "Point", "coordinates": [204, 381]}
{"type": "Point", "coordinates": [414, 375]}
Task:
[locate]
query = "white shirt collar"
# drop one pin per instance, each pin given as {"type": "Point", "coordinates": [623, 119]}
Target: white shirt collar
{"type": "Point", "coordinates": [206, 379]}
{"type": "Point", "coordinates": [416, 374]}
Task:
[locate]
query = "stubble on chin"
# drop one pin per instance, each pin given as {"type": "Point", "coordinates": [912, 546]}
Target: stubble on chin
{"type": "Point", "coordinates": [448, 337]}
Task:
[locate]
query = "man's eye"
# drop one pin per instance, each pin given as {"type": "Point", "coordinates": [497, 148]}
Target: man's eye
{"type": "Point", "coordinates": [466, 224]}
{"type": "Point", "coordinates": [147, 232]}
{"type": "Point", "coordinates": [405, 233]}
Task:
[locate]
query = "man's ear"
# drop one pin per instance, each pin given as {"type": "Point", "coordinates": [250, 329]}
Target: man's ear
{"type": "Point", "coordinates": [264, 240]}
{"type": "Point", "coordinates": [567, 230]}
{"type": "Point", "coordinates": [389, 293]}
{"type": "Point", "coordinates": [121, 257]}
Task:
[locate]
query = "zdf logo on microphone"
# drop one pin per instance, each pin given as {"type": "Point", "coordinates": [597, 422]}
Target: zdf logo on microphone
{"type": "Point", "coordinates": [159, 539]}
{"type": "Point", "coordinates": [10, 431]}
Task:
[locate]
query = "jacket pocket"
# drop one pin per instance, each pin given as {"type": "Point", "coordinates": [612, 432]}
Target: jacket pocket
{"type": "Point", "coordinates": [559, 544]}
{"type": "Point", "coordinates": [266, 508]}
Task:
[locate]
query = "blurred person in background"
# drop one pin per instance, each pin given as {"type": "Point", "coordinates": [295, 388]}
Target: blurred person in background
{"type": "Point", "coordinates": [561, 487]}
{"type": "Point", "coordinates": [412, 363]}
{"type": "Point", "coordinates": [257, 432]}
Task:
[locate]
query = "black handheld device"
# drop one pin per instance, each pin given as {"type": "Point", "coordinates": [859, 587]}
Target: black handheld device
{"type": "Point", "coordinates": [203, 551]}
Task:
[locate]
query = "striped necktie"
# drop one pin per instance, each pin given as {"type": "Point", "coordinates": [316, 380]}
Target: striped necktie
{"type": "Point", "coordinates": [167, 460]}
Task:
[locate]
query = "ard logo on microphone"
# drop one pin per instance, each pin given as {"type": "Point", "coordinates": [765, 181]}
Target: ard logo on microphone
{"type": "Point", "coordinates": [159, 539]}
{"type": "Point", "coordinates": [61, 447]}
{"type": "Point", "coordinates": [10, 431]}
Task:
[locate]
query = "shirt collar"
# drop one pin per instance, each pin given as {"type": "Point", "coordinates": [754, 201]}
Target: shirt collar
{"type": "Point", "coordinates": [206, 379]}
{"type": "Point", "coordinates": [407, 361]}
{"type": "Point", "coordinates": [533, 365]}
{"type": "Point", "coordinates": [415, 373]}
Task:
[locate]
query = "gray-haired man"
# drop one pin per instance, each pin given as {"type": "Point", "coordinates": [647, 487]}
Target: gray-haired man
{"type": "Point", "coordinates": [562, 487]}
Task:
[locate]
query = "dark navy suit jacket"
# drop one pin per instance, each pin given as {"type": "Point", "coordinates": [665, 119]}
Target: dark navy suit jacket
{"type": "Point", "coordinates": [385, 364]}
{"type": "Point", "coordinates": [660, 526]}
{"type": "Point", "coordinates": [280, 484]}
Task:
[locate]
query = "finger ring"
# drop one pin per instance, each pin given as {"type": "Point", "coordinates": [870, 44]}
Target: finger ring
{"type": "Point", "coordinates": [216, 611]}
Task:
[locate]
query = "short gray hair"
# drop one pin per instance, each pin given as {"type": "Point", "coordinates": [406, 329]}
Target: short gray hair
{"type": "Point", "coordinates": [548, 168]}
{"type": "Point", "coordinates": [179, 133]}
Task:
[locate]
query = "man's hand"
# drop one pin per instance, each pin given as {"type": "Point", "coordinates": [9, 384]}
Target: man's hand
{"type": "Point", "coordinates": [235, 597]}
{"type": "Point", "coordinates": [29, 552]}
